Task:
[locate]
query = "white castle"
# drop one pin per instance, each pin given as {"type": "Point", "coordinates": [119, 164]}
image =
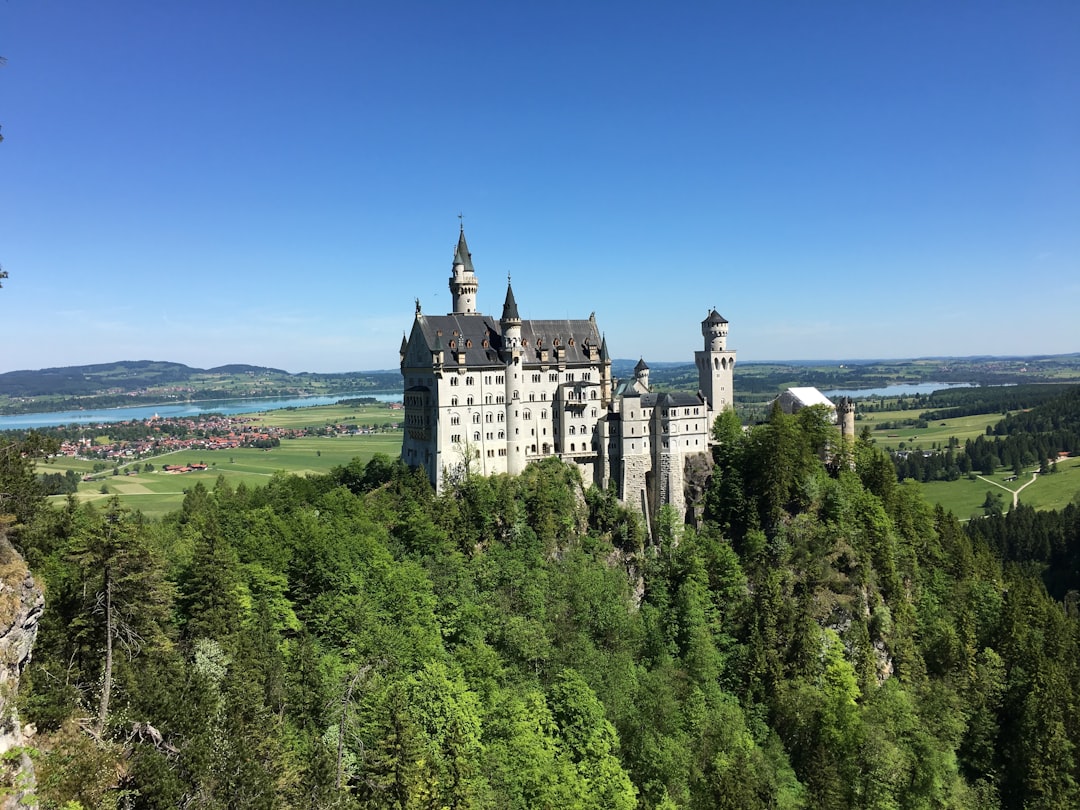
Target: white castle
{"type": "Point", "coordinates": [488, 396]}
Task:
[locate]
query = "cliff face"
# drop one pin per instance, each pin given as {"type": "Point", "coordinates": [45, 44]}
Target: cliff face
{"type": "Point", "coordinates": [21, 603]}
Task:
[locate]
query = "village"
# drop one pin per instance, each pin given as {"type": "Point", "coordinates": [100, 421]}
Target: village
{"type": "Point", "coordinates": [128, 441]}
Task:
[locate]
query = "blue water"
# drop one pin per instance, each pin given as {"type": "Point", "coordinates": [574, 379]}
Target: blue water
{"type": "Point", "coordinates": [908, 389]}
{"type": "Point", "coordinates": [24, 421]}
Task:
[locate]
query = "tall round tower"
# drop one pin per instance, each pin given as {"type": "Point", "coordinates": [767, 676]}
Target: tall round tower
{"type": "Point", "coordinates": [510, 325]}
{"type": "Point", "coordinates": [716, 364]}
{"type": "Point", "coordinates": [463, 281]}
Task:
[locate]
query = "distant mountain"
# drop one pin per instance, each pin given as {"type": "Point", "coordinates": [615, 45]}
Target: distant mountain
{"type": "Point", "coordinates": [131, 382]}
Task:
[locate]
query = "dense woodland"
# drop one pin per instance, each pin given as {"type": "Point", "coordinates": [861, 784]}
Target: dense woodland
{"type": "Point", "coordinates": [822, 639]}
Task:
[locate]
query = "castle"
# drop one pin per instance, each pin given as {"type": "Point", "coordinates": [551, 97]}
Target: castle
{"type": "Point", "coordinates": [488, 396]}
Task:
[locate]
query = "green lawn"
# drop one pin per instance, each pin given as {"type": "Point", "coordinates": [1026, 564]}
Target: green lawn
{"type": "Point", "coordinates": [157, 493]}
{"type": "Point", "coordinates": [962, 427]}
{"type": "Point", "coordinates": [965, 497]}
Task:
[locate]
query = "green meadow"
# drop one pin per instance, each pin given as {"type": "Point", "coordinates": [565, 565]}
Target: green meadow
{"type": "Point", "coordinates": [913, 438]}
{"type": "Point", "coordinates": [157, 493]}
{"type": "Point", "coordinates": [965, 497]}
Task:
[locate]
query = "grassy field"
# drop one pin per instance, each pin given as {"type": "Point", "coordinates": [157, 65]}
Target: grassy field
{"type": "Point", "coordinates": [157, 493]}
{"type": "Point", "coordinates": [964, 498]}
{"type": "Point", "coordinates": [962, 427]}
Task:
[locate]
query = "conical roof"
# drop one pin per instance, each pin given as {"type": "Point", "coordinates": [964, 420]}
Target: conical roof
{"type": "Point", "coordinates": [510, 310]}
{"type": "Point", "coordinates": [462, 255]}
{"type": "Point", "coordinates": [641, 365]}
{"type": "Point", "coordinates": [715, 317]}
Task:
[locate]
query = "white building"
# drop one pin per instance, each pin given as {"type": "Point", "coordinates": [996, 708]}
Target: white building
{"type": "Point", "coordinates": [488, 396]}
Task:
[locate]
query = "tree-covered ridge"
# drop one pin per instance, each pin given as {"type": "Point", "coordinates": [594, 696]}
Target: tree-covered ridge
{"type": "Point", "coordinates": [823, 640]}
{"type": "Point", "coordinates": [142, 382]}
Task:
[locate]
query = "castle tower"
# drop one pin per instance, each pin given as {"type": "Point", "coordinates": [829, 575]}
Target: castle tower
{"type": "Point", "coordinates": [605, 374]}
{"type": "Point", "coordinates": [845, 418]}
{"type": "Point", "coordinates": [716, 365]}
{"type": "Point", "coordinates": [463, 281]}
{"type": "Point", "coordinates": [510, 324]}
{"type": "Point", "coordinates": [641, 374]}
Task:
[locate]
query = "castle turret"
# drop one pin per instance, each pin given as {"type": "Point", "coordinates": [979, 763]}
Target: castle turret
{"type": "Point", "coordinates": [510, 325]}
{"type": "Point", "coordinates": [845, 418]}
{"type": "Point", "coordinates": [641, 374]}
{"type": "Point", "coordinates": [463, 281]}
{"type": "Point", "coordinates": [404, 348]}
{"type": "Point", "coordinates": [716, 364]}
{"type": "Point", "coordinates": [605, 374]}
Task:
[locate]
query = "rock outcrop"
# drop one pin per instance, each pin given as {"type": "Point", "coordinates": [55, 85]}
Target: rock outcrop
{"type": "Point", "coordinates": [21, 604]}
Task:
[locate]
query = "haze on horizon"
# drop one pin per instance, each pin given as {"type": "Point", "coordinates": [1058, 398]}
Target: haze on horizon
{"type": "Point", "coordinates": [274, 184]}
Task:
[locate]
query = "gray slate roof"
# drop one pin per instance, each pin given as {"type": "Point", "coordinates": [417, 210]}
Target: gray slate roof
{"type": "Point", "coordinates": [438, 331]}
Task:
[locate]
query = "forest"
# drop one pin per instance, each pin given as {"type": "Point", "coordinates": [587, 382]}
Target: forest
{"type": "Point", "coordinates": [819, 638]}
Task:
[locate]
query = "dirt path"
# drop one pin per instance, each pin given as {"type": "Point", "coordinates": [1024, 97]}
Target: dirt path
{"type": "Point", "coordinates": [1014, 492]}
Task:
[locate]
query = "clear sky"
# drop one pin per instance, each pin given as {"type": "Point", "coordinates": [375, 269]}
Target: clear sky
{"type": "Point", "coordinates": [274, 183]}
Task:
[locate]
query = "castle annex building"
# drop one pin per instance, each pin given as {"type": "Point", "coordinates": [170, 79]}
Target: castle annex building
{"type": "Point", "coordinates": [488, 396]}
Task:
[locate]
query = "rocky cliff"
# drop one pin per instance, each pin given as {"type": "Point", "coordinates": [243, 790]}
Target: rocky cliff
{"type": "Point", "coordinates": [21, 603]}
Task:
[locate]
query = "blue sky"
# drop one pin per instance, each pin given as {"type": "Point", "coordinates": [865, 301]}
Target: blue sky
{"type": "Point", "coordinates": [274, 183]}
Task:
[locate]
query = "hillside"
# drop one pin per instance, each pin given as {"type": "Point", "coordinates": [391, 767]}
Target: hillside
{"type": "Point", "coordinates": [822, 639]}
{"type": "Point", "coordinates": [153, 382]}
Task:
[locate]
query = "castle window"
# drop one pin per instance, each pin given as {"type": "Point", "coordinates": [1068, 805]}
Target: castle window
{"type": "Point", "coordinates": [572, 431]}
{"type": "Point", "coordinates": [592, 395]}
{"type": "Point", "coordinates": [487, 417]}
{"type": "Point", "coordinates": [453, 400]}
{"type": "Point", "coordinates": [515, 394]}
{"type": "Point", "coordinates": [536, 378]}
{"type": "Point", "coordinates": [571, 447]}
{"type": "Point", "coordinates": [484, 343]}
{"type": "Point", "coordinates": [532, 397]}
{"type": "Point", "coordinates": [502, 416]}
{"type": "Point", "coordinates": [468, 380]}
{"type": "Point", "coordinates": [499, 379]}
{"type": "Point", "coordinates": [468, 400]}
{"type": "Point", "coordinates": [476, 436]}
{"type": "Point", "coordinates": [527, 415]}
{"type": "Point", "coordinates": [456, 438]}
{"type": "Point", "coordinates": [498, 399]}
{"type": "Point", "coordinates": [455, 420]}
{"type": "Point", "coordinates": [476, 419]}
{"type": "Point", "coordinates": [487, 379]}
{"type": "Point", "coordinates": [453, 380]}
{"type": "Point", "coordinates": [488, 436]}
{"type": "Point", "coordinates": [593, 412]}
{"type": "Point", "coordinates": [502, 451]}
{"type": "Point", "coordinates": [553, 377]}
{"type": "Point", "coordinates": [587, 375]}
{"type": "Point", "coordinates": [502, 434]}
{"type": "Point", "coordinates": [543, 396]}
{"type": "Point", "coordinates": [487, 399]}
{"type": "Point", "coordinates": [543, 414]}
{"type": "Point", "coordinates": [468, 344]}
{"type": "Point", "coordinates": [569, 376]}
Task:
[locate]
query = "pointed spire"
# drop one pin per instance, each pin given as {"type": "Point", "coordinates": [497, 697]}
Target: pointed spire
{"type": "Point", "coordinates": [641, 366]}
{"type": "Point", "coordinates": [603, 350]}
{"type": "Point", "coordinates": [404, 343]}
{"type": "Point", "coordinates": [462, 255]}
{"type": "Point", "coordinates": [510, 309]}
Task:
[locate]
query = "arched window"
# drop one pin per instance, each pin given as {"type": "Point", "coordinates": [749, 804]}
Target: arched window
{"type": "Point", "coordinates": [453, 400]}
{"type": "Point", "coordinates": [572, 431]}
{"type": "Point", "coordinates": [716, 363]}
{"type": "Point", "coordinates": [476, 436]}
{"type": "Point", "coordinates": [476, 419]}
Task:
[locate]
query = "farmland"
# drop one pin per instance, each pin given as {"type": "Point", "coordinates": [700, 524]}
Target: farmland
{"type": "Point", "coordinates": [158, 492]}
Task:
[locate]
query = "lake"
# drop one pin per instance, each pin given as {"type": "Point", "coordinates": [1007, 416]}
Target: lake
{"type": "Point", "coordinates": [908, 389]}
{"type": "Point", "coordinates": [25, 421]}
